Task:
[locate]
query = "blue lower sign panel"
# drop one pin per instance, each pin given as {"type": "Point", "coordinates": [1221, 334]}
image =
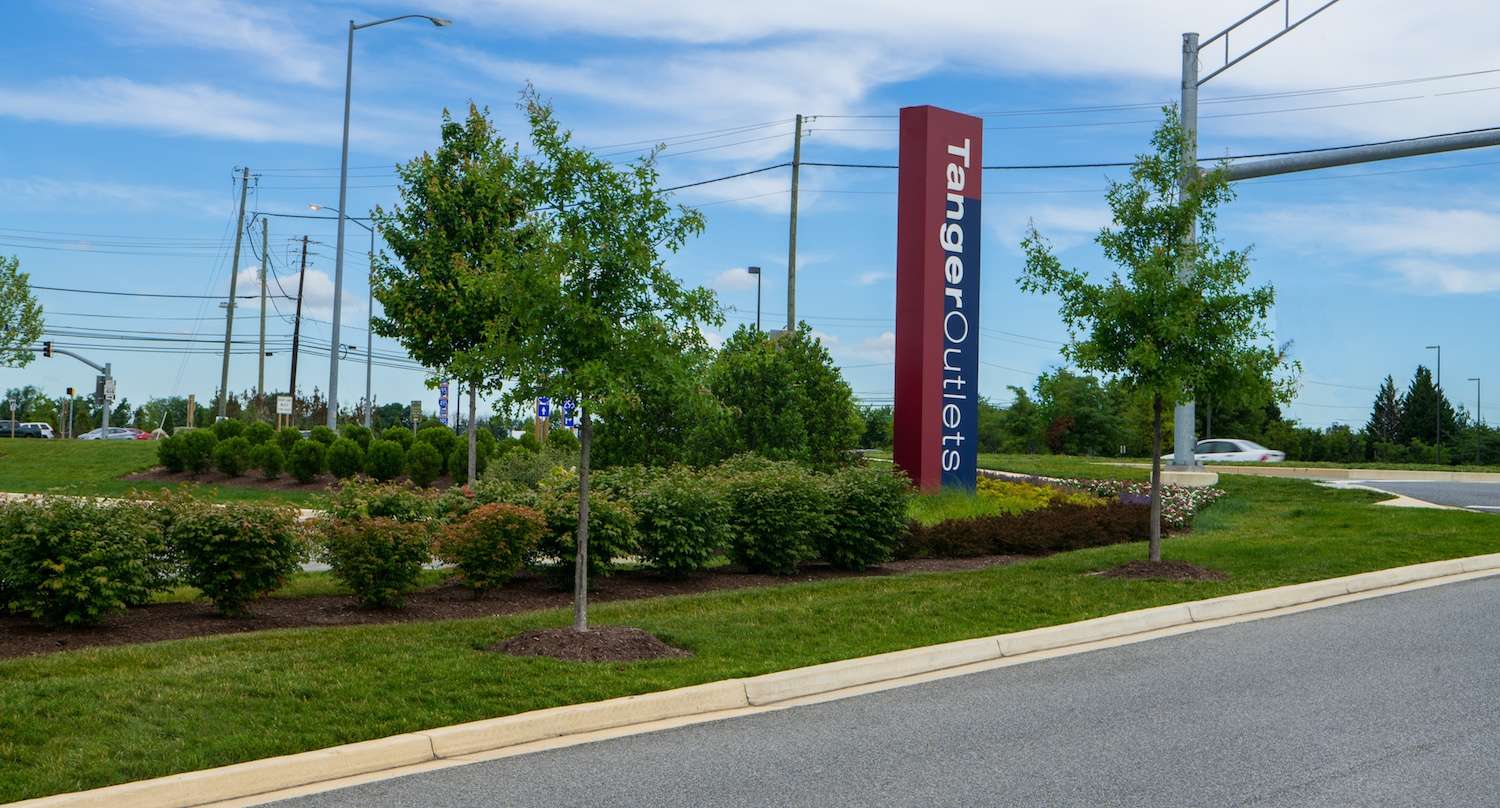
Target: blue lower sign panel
{"type": "Point", "coordinates": [543, 407]}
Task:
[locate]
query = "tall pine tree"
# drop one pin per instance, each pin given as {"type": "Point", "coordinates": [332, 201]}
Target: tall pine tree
{"type": "Point", "coordinates": [1420, 409]}
{"type": "Point", "coordinates": [1385, 417]}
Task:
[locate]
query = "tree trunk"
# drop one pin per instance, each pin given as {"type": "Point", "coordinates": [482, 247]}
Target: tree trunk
{"type": "Point", "coordinates": [473, 405]}
{"type": "Point", "coordinates": [1156, 478]}
{"type": "Point", "coordinates": [581, 563]}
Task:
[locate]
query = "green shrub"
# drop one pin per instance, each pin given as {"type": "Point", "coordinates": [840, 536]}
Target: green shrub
{"type": "Point", "coordinates": [228, 428]}
{"type": "Point", "coordinates": [379, 559]}
{"type": "Point", "coordinates": [287, 437]}
{"type": "Point", "coordinates": [169, 453]}
{"type": "Point", "coordinates": [776, 515]}
{"type": "Point", "coordinates": [269, 458]}
{"type": "Point", "coordinates": [345, 458]}
{"type": "Point", "coordinates": [490, 544]}
{"type": "Point", "coordinates": [232, 456]}
{"type": "Point", "coordinates": [384, 460]}
{"type": "Point", "coordinates": [423, 463]}
{"type": "Point", "coordinates": [1056, 528]}
{"type": "Point", "coordinates": [563, 440]}
{"type": "Point", "coordinates": [526, 468]}
{"type": "Point", "coordinates": [866, 516]}
{"type": "Point", "coordinates": [323, 435]}
{"type": "Point", "coordinates": [358, 433]}
{"type": "Point", "coordinates": [307, 460]}
{"type": "Point", "coordinates": [529, 442]}
{"type": "Point", "coordinates": [612, 532]}
{"type": "Point", "coordinates": [682, 518]}
{"type": "Point", "coordinates": [197, 450]}
{"type": "Point", "coordinates": [399, 434]}
{"type": "Point", "coordinates": [458, 462]}
{"type": "Point", "coordinates": [440, 438]}
{"type": "Point", "coordinates": [259, 432]}
{"type": "Point", "coordinates": [74, 562]}
{"type": "Point", "coordinates": [458, 501]}
{"type": "Point", "coordinates": [485, 443]}
{"type": "Point", "coordinates": [354, 499]}
{"type": "Point", "coordinates": [237, 551]}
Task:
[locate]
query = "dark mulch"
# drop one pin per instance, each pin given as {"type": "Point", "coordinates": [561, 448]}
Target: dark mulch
{"type": "Point", "coordinates": [20, 636]}
{"type": "Point", "coordinates": [251, 479]}
{"type": "Point", "coordinates": [1164, 571]}
{"type": "Point", "coordinates": [604, 644]}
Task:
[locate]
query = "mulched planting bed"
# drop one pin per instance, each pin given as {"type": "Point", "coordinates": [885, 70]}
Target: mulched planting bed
{"type": "Point", "coordinates": [601, 644]}
{"type": "Point", "coordinates": [20, 636]}
{"type": "Point", "coordinates": [1164, 571]}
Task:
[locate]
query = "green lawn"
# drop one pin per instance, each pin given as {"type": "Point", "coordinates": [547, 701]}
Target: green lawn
{"type": "Point", "coordinates": [94, 468]}
{"type": "Point", "coordinates": [92, 717]}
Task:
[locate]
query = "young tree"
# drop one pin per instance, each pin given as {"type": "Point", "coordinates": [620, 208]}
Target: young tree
{"type": "Point", "coordinates": [1180, 310]}
{"type": "Point", "coordinates": [459, 297]}
{"type": "Point", "coordinates": [20, 315]}
{"type": "Point", "coordinates": [612, 306]}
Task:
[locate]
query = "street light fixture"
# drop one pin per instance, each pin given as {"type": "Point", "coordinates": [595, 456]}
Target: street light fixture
{"type": "Point", "coordinates": [369, 315]}
{"type": "Point", "coordinates": [756, 272]}
{"type": "Point", "coordinates": [1439, 350]}
{"type": "Point", "coordinates": [338, 272]}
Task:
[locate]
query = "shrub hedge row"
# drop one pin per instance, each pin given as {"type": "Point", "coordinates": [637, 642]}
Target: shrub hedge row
{"type": "Point", "coordinates": [74, 562]}
{"type": "Point", "coordinates": [1055, 528]}
{"type": "Point", "coordinates": [235, 448]}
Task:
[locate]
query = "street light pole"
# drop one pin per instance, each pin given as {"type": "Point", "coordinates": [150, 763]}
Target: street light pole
{"type": "Point", "coordinates": [1439, 350]}
{"type": "Point", "coordinates": [756, 272]}
{"type": "Point", "coordinates": [338, 261]}
{"type": "Point", "coordinates": [369, 312]}
{"type": "Point", "coordinates": [1478, 417]}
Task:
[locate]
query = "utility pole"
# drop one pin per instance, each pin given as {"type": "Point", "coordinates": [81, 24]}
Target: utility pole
{"type": "Point", "coordinates": [370, 337]}
{"type": "Point", "coordinates": [265, 261]}
{"type": "Point", "coordinates": [297, 320]}
{"type": "Point", "coordinates": [234, 274]}
{"type": "Point", "coordinates": [1184, 416]}
{"type": "Point", "coordinates": [791, 249]}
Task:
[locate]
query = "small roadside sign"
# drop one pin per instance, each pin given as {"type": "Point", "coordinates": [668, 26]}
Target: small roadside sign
{"type": "Point", "coordinates": [416, 414]}
{"type": "Point", "coordinates": [544, 407]}
{"type": "Point", "coordinates": [283, 405]}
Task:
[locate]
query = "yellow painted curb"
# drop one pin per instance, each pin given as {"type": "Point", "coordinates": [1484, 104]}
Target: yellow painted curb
{"type": "Point", "coordinates": [407, 752]}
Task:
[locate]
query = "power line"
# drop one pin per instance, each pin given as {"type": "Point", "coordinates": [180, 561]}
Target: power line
{"type": "Point", "coordinates": [141, 294]}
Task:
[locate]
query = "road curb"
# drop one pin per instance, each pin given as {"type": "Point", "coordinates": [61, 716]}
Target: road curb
{"type": "Point", "coordinates": [719, 699]}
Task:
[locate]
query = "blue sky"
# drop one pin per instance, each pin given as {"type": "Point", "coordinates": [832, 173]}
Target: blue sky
{"type": "Point", "coordinates": [122, 122]}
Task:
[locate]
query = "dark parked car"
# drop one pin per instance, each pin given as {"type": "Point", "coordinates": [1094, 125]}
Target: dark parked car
{"type": "Point", "coordinates": [21, 430]}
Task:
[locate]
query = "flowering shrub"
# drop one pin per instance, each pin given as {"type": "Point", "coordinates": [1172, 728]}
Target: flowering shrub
{"type": "Point", "coordinates": [1178, 503]}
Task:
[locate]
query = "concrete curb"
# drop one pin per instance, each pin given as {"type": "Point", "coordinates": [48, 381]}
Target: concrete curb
{"type": "Point", "coordinates": [722, 699]}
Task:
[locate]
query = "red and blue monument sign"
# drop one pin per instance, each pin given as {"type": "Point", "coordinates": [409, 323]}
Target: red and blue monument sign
{"type": "Point", "coordinates": [937, 298]}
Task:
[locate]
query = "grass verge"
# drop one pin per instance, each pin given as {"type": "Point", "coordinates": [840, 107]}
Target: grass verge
{"type": "Point", "coordinates": [93, 468]}
{"type": "Point", "coordinates": [93, 717]}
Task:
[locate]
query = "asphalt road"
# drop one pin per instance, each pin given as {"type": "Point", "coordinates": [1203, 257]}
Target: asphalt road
{"type": "Point", "coordinates": [1483, 497]}
{"type": "Point", "coordinates": [1388, 701]}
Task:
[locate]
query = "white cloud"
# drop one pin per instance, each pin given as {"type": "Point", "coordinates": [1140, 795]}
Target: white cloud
{"type": "Point", "coordinates": [1429, 250]}
{"type": "Point", "coordinates": [872, 278]}
{"type": "Point", "coordinates": [317, 296]}
{"type": "Point", "coordinates": [735, 279]}
{"type": "Point", "coordinates": [267, 36]}
{"type": "Point", "coordinates": [1436, 276]}
{"type": "Point", "coordinates": [875, 349]}
{"type": "Point", "coordinates": [1065, 226]}
{"type": "Point", "coordinates": [788, 55]}
{"type": "Point", "coordinates": [44, 193]}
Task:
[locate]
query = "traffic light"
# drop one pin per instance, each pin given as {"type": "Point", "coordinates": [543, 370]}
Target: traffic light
{"type": "Point", "coordinates": [47, 349]}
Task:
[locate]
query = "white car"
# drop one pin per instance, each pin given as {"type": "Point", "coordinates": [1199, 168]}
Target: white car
{"type": "Point", "coordinates": [115, 433]}
{"type": "Point", "coordinates": [1233, 450]}
{"type": "Point", "coordinates": [45, 429]}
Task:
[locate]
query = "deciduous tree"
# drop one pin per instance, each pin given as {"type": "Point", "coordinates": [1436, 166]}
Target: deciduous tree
{"type": "Point", "coordinates": [20, 315]}
{"type": "Point", "coordinates": [1178, 310]}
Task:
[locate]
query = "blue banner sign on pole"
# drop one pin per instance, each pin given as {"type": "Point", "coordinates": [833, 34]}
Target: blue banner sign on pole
{"type": "Point", "coordinates": [443, 403]}
{"type": "Point", "coordinates": [543, 407]}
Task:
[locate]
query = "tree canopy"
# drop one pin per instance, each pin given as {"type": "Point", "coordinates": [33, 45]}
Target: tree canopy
{"type": "Point", "coordinates": [20, 315]}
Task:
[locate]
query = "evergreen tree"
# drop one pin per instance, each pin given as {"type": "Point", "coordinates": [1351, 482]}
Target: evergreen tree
{"type": "Point", "coordinates": [1420, 409]}
{"type": "Point", "coordinates": [1385, 417]}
